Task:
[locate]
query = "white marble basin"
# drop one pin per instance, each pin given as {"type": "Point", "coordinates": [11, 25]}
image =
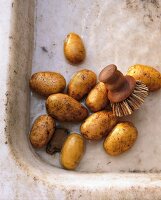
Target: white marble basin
{"type": "Point", "coordinates": [120, 32]}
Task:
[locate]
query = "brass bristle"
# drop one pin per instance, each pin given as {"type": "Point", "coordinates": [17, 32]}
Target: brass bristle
{"type": "Point", "coordinates": [133, 102]}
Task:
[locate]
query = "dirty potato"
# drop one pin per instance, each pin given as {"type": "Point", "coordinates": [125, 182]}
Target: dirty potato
{"type": "Point", "coordinates": [97, 99]}
{"type": "Point", "coordinates": [81, 83]}
{"type": "Point", "coordinates": [147, 75]}
{"type": "Point", "coordinates": [120, 139]}
{"type": "Point", "coordinates": [74, 49]}
{"type": "Point", "coordinates": [42, 131]}
{"type": "Point", "coordinates": [98, 125]}
{"type": "Point", "coordinates": [72, 151]}
{"type": "Point", "coordinates": [47, 83]}
{"type": "Point", "coordinates": [57, 141]}
{"type": "Point", "coordinates": [64, 108]}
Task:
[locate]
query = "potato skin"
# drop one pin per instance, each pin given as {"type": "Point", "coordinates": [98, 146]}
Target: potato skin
{"type": "Point", "coordinates": [64, 108]}
{"type": "Point", "coordinates": [97, 99]}
{"type": "Point", "coordinates": [81, 84]}
{"type": "Point", "coordinates": [74, 49]}
{"type": "Point", "coordinates": [42, 130]}
{"type": "Point", "coordinates": [146, 74]}
{"type": "Point", "coordinates": [72, 151]}
{"type": "Point", "coordinates": [98, 125]}
{"type": "Point", "coordinates": [120, 139]}
{"type": "Point", "coordinates": [47, 83]}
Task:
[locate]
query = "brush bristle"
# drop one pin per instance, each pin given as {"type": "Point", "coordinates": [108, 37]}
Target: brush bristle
{"type": "Point", "coordinates": [133, 102]}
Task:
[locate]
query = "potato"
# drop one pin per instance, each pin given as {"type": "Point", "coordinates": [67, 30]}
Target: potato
{"type": "Point", "coordinates": [42, 131]}
{"type": "Point", "coordinates": [98, 125]}
{"type": "Point", "coordinates": [74, 49]}
{"type": "Point", "coordinates": [81, 84]}
{"type": "Point", "coordinates": [57, 141]}
{"type": "Point", "coordinates": [72, 151]}
{"type": "Point", "coordinates": [64, 108]}
{"type": "Point", "coordinates": [47, 83]}
{"type": "Point", "coordinates": [97, 99]}
{"type": "Point", "coordinates": [120, 139]}
{"type": "Point", "coordinates": [147, 75]}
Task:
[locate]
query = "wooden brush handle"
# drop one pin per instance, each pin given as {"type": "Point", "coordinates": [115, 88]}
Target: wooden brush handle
{"type": "Point", "coordinates": [119, 86]}
{"type": "Point", "coordinates": [113, 78]}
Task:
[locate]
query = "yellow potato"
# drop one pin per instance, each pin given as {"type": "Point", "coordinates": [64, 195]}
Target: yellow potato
{"type": "Point", "coordinates": [64, 108]}
{"type": "Point", "coordinates": [147, 75]}
{"type": "Point", "coordinates": [120, 139]}
{"type": "Point", "coordinates": [81, 84]}
{"type": "Point", "coordinates": [98, 125]}
{"type": "Point", "coordinates": [47, 83]}
{"type": "Point", "coordinates": [72, 151]}
{"type": "Point", "coordinates": [97, 99]}
{"type": "Point", "coordinates": [74, 48]}
{"type": "Point", "coordinates": [42, 131]}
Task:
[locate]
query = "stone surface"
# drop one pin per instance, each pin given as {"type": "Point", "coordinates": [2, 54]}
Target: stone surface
{"type": "Point", "coordinates": [134, 29]}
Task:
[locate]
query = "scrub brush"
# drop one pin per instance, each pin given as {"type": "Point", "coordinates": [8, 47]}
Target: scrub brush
{"type": "Point", "coordinates": [125, 94]}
